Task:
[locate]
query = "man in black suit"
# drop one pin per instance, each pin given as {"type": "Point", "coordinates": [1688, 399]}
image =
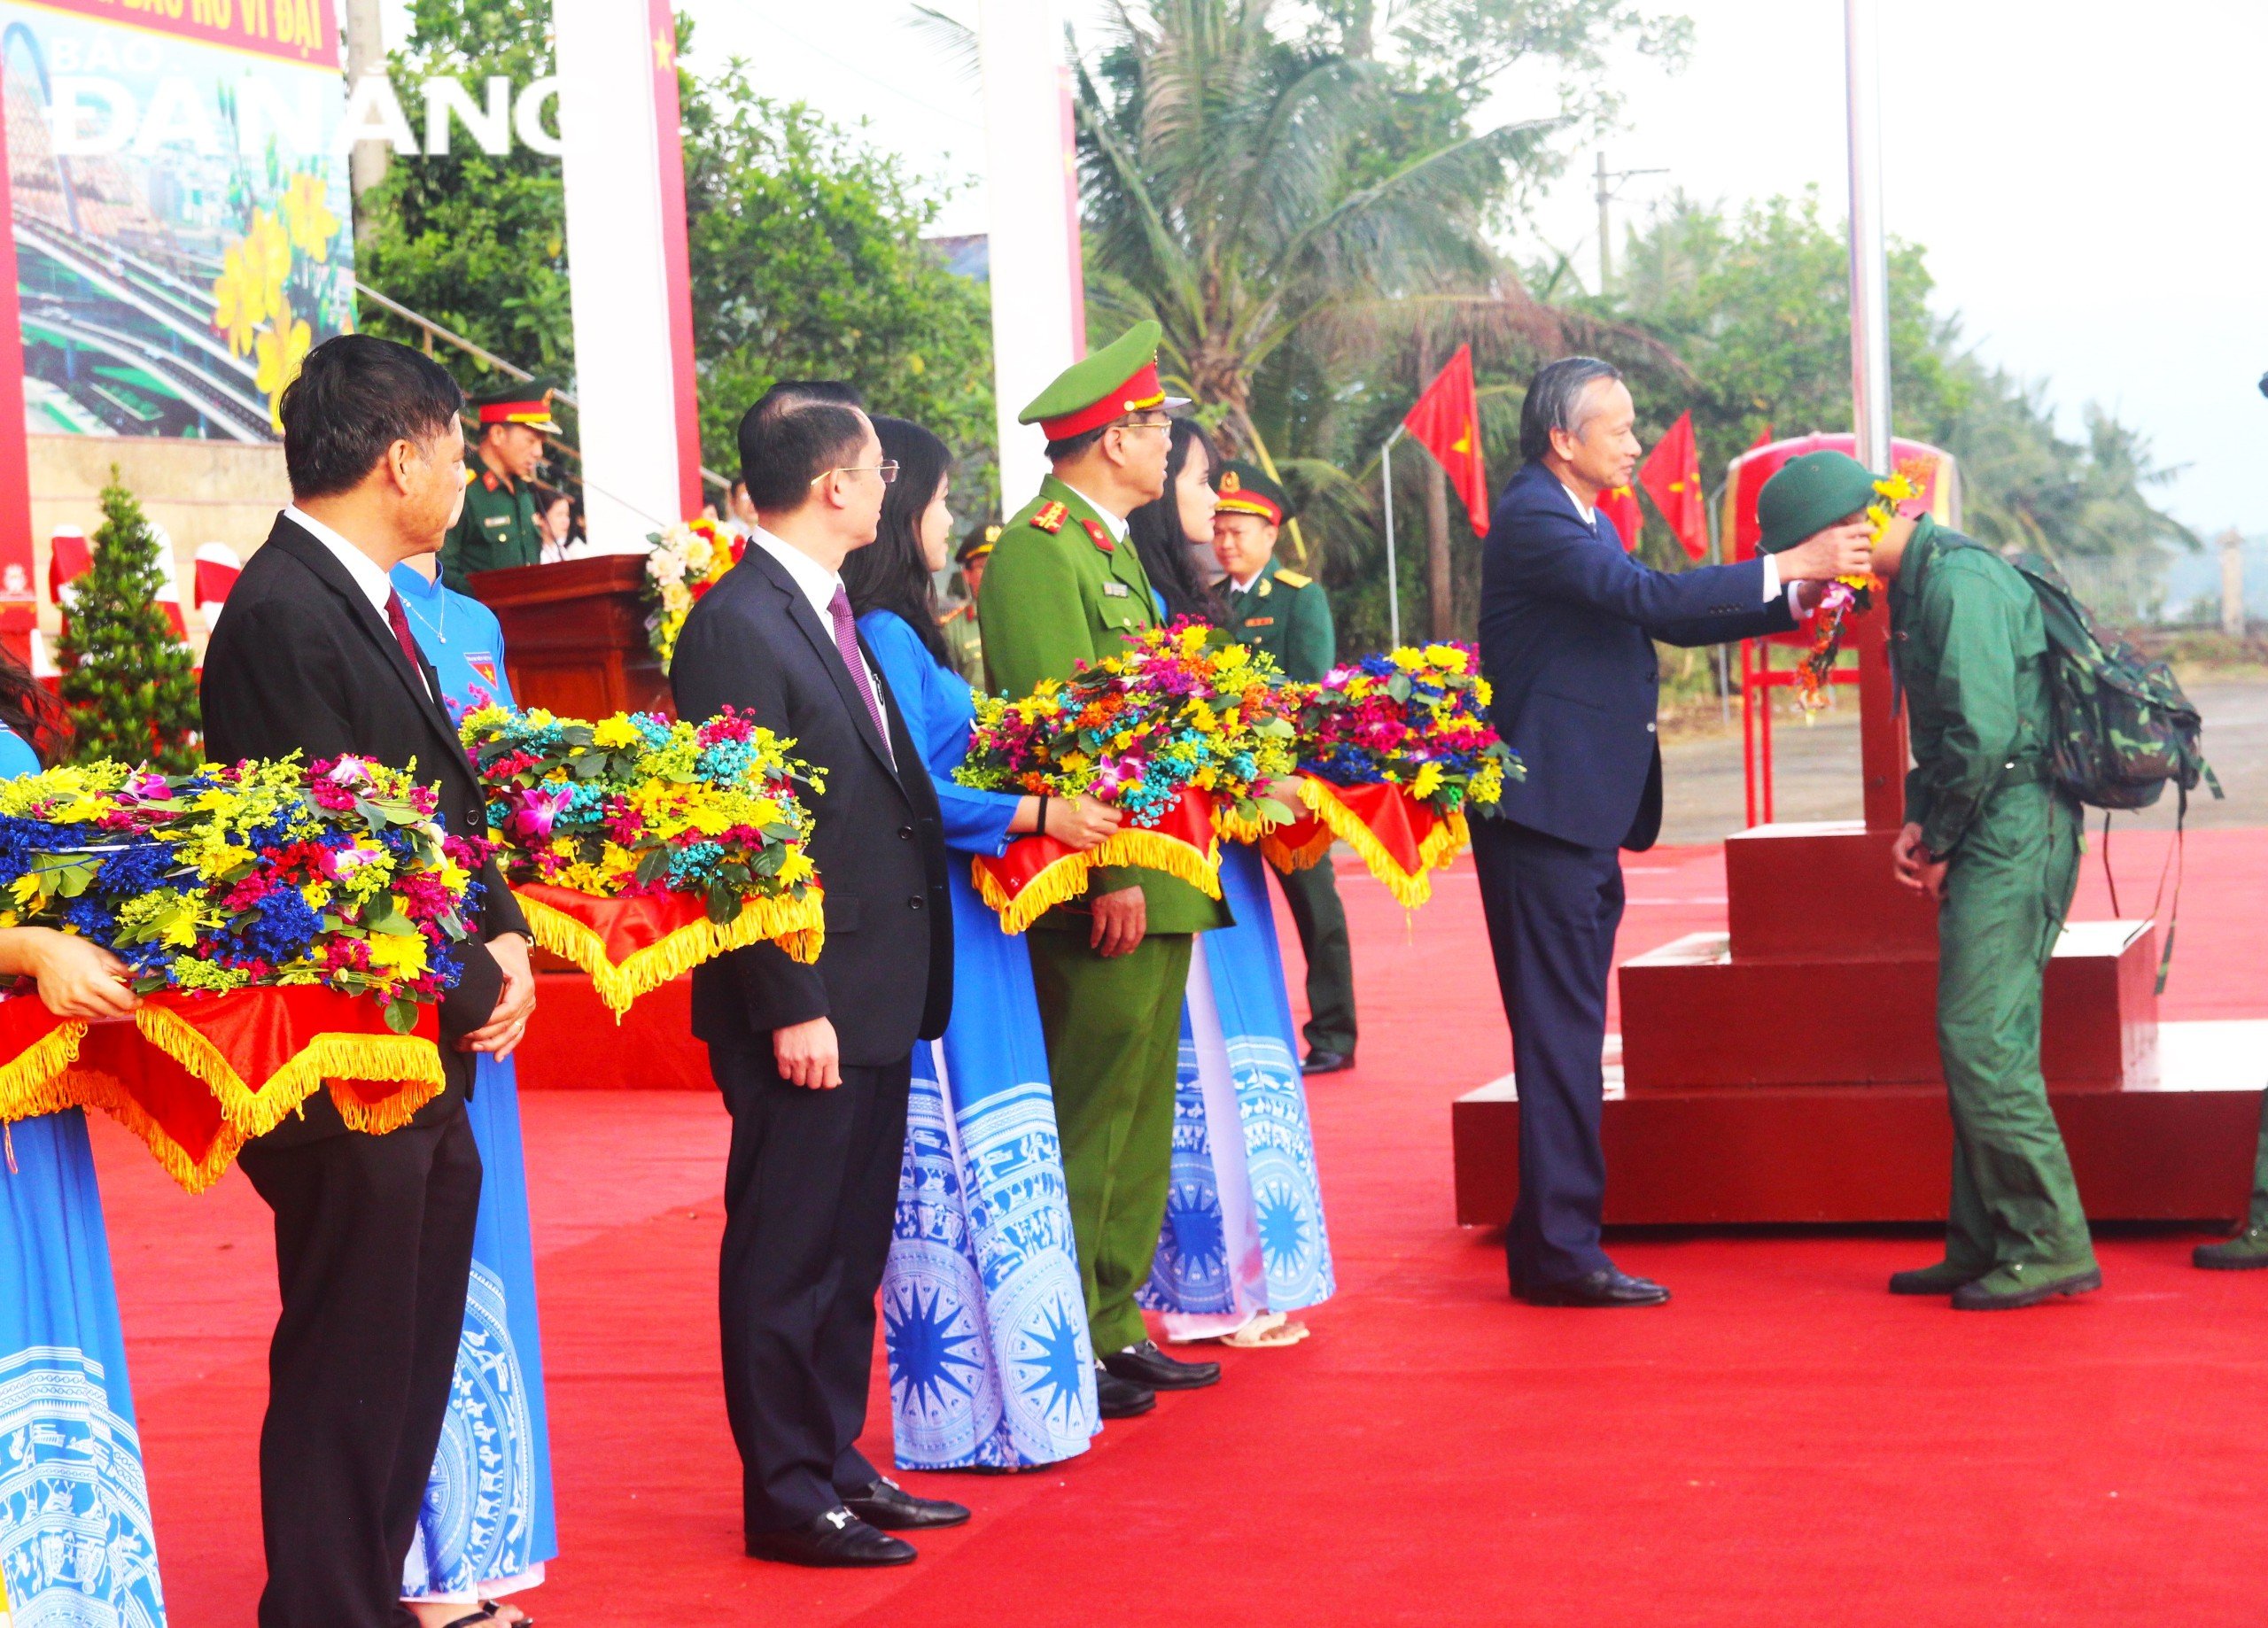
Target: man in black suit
{"type": "Point", "coordinates": [373, 1233]}
{"type": "Point", "coordinates": [1567, 625]}
{"type": "Point", "coordinates": [814, 1062]}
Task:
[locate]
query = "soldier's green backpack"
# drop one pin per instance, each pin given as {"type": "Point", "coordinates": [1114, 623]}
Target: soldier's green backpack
{"type": "Point", "coordinates": [2123, 730]}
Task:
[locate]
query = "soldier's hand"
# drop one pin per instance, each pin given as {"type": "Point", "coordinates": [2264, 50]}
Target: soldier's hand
{"type": "Point", "coordinates": [1845, 549]}
{"type": "Point", "coordinates": [1120, 920]}
{"type": "Point", "coordinates": [1914, 866]}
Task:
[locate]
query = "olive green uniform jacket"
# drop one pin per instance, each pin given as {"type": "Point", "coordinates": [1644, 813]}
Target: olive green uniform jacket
{"type": "Point", "coordinates": [497, 528]}
{"type": "Point", "coordinates": [1288, 614]}
{"type": "Point", "coordinates": [1061, 591]}
{"type": "Point", "coordinates": [1970, 652]}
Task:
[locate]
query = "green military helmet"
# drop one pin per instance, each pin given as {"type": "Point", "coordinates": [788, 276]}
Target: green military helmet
{"type": "Point", "coordinates": [527, 402]}
{"type": "Point", "coordinates": [1248, 489]}
{"type": "Point", "coordinates": [1809, 494]}
{"type": "Point", "coordinates": [1103, 388]}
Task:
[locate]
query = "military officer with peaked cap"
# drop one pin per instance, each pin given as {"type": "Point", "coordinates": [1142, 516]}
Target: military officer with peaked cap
{"type": "Point", "coordinates": [1065, 585]}
{"type": "Point", "coordinates": [498, 527]}
{"type": "Point", "coordinates": [1288, 614]}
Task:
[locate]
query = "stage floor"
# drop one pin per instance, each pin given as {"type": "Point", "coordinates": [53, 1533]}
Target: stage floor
{"type": "Point", "coordinates": [1783, 1444]}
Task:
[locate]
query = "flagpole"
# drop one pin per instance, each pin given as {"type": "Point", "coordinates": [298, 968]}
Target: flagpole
{"type": "Point", "coordinates": [1393, 573]}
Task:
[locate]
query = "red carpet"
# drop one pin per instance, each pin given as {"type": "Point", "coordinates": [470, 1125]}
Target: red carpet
{"type": "Point", "coordinates": [1785, 1444]}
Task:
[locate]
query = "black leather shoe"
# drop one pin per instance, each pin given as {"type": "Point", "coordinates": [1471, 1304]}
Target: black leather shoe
{"type": "Point", "coordinates": [1605, 1287]}
{"type": "Point", "coordinates": [836, 1539]}
{"type": "Point", "coordinates": [1145, 1364]}
{"type": "Point", "coordinates": [1121, 1399]}
{"type": "Point", "coordinates": [1322, 1062]}
{"type": "Point", "coordinates": [890, 1506]}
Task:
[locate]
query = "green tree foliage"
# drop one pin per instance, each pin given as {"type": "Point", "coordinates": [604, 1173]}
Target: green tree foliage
{"type": "Point", "coordinates": [127, 679]}
{"type": "Point", "coordinates": [1756, 308]}
{"type": "Point", "coordinates": [807, 262]}
{"type": "Point", "coordinates": [476, 242]}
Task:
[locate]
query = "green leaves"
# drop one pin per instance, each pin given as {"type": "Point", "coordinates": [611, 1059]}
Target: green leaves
{"type": "Point", "coordinates": [127, 679]}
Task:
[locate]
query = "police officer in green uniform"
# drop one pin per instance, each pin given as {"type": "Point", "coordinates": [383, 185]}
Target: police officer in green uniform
{"type": "Point", "coordinates": [963, 641]}
{"type": "Point", "coordinates": [497, 526]}
{"type": "Point", "coordinates": [1065, 585]}
{"type": "Point", "coordinates": [1288, 614]}
{"type": "Point", "coordinates": [1992, 838]}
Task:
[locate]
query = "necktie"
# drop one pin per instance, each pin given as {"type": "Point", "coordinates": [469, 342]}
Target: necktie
{"type": "Point", "coordinates": [397, 618]}
{"type": "Point", "coordinates": [846, 641]}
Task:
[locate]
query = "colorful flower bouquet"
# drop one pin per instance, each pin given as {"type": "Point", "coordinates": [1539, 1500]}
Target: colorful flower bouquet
{"type": "Point", "coordinates": [1846, 597]}
{"type": "Point", "coordinates": [1395, 749]}
{"type": "Point", "coordinates": [639, 848]}
{"type": "Point", "coordinates": [290, 925]}
{"type": "Point", "coordinates": [687, 561]}
{"type": "Point", "coordinates": [1182, 733]}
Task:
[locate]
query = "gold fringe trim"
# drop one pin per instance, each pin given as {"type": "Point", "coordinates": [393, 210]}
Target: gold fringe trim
{"type": "Point", "coordinates": [1153, 850]}
{"type": "Point", "coordinates": [97, 1088]}
{"type": "Point", "coordinates": [1447, 837]}
{"type": "Point", "coordinates": [1284, 856]}
{"type": "Point", "coordinates": [35, 1082]}
{"type": "Point", "coordinates": [797, 925]}
{"type": "Point", "coordinates": [409, 1060]}
{"type": "Point", "coordinates": [1240, 827]}
{"type": "Point", "coordinates": [1062, 882]}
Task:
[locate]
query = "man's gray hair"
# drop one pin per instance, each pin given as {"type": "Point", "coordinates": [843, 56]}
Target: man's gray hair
{"type": "Point", "coordinates": [1556, 400]}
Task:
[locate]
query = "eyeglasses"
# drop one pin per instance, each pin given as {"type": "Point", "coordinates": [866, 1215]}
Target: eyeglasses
{"type": "Point", "coordinates": [888, 471]}
{"type": "Point", "coordinates": [1146, 423]}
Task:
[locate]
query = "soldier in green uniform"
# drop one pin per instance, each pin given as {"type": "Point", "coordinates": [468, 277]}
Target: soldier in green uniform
{"type": "Point", "coordinates": [497, 526]}
{"type": "Point", "coordinates": [1992, 838]}
{"type": "Point", "coordinates": [958, 623]}
{"type": "Point", "coordinates": [1064, 584]}
{"type": "Point", "coordinates": [1288, 614]}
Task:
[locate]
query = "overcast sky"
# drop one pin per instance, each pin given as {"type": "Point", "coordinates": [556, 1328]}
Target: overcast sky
{"type": "Point", "coordinates": [2083, 172]}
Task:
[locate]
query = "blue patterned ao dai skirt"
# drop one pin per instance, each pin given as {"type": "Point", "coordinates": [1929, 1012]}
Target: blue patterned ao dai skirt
{"type": "Point", "coordinates": [983, 1313]}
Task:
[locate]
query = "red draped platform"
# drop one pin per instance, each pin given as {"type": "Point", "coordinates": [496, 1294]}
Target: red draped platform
{"type": "Point", "coordinates": [1783, 1444]}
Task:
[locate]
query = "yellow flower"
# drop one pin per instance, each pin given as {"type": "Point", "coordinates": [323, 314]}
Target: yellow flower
{"type": "Point", "coordinates": [796, 867]}
{"type": "Point", "coordinates": [616, 733]}
{"type": "Point", "coordinates": [1409, 660]}
{"type": "Point", "coordinates": [1428, 781]}
{"type": "Point", "coordinates": [310, 219]}
{"type": "Point", "coordinates": [266, 261]}
{"type": "Point", "coordinates": [399, 952]}
{"type": "Point", "coordinates": [239, 303]}
{"type": "Point", "coordinates": [25, 890]}
{"type": "Point", "coordinates": [282, 348]}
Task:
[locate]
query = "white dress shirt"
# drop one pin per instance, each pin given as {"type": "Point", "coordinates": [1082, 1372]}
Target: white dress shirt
{"type": "Point", "coordinates": [1771, 565]}
{"type": "Point", "coordinates": [1113, 523]}
{"type": "Point", "coordinates": [367, 573]}
{"type": "Point", "coordinates": [819, 587]}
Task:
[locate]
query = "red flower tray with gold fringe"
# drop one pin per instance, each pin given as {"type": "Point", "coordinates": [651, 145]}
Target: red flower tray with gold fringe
{"type": "Point", "coordinates": [196, 1076]}
{"type": "Point", "coordinates": [632, 945]}
{"type": "Point", "coordinates": [1399, 837]}
{"type": "Point", "coordinates": [1038, 873]}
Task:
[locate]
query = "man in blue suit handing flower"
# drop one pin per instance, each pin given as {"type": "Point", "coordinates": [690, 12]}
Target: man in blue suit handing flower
{"type": "Point", "coordinates": [1567, 625]}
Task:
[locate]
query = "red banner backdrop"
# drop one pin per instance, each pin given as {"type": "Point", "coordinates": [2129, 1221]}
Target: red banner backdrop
{"type": "Point", "coordinates": [295, 30]}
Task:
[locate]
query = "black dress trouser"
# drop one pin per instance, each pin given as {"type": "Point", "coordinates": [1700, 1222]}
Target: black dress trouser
{"type": "Point", "coordinates": [811, 1192]}
{"type": "Point", "coordinates": [1552, 910]}
{"type": "Point", "coordinates": [373, 1253]}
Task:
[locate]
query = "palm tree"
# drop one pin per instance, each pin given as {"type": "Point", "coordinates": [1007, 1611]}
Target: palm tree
{"type": "Point", "coordinates": [1232, 192]}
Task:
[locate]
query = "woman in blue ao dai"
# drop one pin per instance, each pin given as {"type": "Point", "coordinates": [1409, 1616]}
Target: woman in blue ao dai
{"type": "Point", "coordinates": [486, 1528]}
{"type": "Point", "coordinates": [1244, 1243]}
{"type": "Point", "coordinates": [76, 1548]}
{"type": "Point", "coordinates": [985, 1321]}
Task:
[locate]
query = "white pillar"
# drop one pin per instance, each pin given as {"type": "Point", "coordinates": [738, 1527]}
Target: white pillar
{"type": "Point", "coordinates": [1869, 270]}
{"type": "Point", "coordinates": [633, 360]}
{"type": "Point", "coordinates": [1033, 235]}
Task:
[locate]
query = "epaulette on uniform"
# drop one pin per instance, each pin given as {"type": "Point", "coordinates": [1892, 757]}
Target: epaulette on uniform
{"type": "Point", "coordinates": [1096, 535]}
{"type": "Point", "coordinates": [1293, 579]}
{"type": "Point", "coordinates": [1051, 516]}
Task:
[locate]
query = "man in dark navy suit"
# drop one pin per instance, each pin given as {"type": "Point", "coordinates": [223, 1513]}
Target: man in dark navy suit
{"type": "Point", "coordinates": [1567, 625]}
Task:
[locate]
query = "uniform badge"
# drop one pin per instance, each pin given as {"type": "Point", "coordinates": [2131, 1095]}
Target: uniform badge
{"type": "Point", "coordinates": [1100, 537]}
{"type": "Point", "coordinates": [488, 480]}
{"type": "Point", "coordinates": [1259, 622]}
{"type": "Point", "coordinates": [1050, 517]}
{"type": "Point", "coordinates": [1230, 483]}
{"type": "Point", "coordinates": [1116, 590]}
{"type": "Point", "coordinates": [483, 665]}
{"type": "Point", "coordinates": [1263, 592]}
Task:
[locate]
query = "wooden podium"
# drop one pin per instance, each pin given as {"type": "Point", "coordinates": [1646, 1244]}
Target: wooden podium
{"type": "Point", "coordinates": [575, 635]}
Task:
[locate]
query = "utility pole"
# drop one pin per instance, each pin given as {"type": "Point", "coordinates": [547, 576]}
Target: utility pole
{"type": "Point", "coordinates": [2233, 582]}
{"type": "Point", "coordinates": [1610, 182]}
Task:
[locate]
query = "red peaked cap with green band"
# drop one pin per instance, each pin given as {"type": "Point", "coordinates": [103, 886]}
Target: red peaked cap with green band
{"type": "Point", "coordinates": [1118, 379]}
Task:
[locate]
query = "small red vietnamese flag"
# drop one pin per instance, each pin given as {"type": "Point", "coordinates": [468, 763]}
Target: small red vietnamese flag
{"type": "Point", "coordinates": [1672, 476]}
{"type": "Point", "coordinates": [1445, 422]}
{"type": "Point", "coordinates": [1619, 504]}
